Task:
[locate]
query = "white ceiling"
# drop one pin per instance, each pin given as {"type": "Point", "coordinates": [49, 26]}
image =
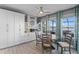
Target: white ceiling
{"type": "Point", "coordinates": [33, 9]}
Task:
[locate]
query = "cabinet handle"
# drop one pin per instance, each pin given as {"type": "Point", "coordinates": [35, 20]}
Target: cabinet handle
{"type": "Point", "coordinates": [19, 29]}
{"type": "Point", "coordinates": [7, 27]}
{"type": "Point", "coordinates": [7, 30]}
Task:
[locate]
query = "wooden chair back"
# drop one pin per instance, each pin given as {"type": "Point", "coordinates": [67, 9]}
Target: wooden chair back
{"type": "Point", "coordinates": [68, 39]}
{"type": "Point", "coordinates": [46, 39]}
{"type": "Point", "coordinates": [37, 35]}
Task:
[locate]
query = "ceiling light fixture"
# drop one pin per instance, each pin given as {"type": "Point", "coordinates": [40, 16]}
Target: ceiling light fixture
{"type": "Point", "coordinates": [41, 12]}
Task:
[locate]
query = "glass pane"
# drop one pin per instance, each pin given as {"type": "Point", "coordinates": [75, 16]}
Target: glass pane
{"type": "Point", "coordinates": [49, 23]}
{"type": "Point", "coordinates": [71, 19]}
{"type": "Point", "coordinates": [52, 25]}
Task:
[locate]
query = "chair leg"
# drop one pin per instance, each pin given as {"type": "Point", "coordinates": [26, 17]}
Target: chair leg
{"type": "Point", "coordinates": [36, 43]}
{"type": "Point", "coordinates": [57, 46]}
{"type": "Point", "coordinates": [61, 50]}
{"type": "Point", "coordinates": [69, 50]}
{"type": "Point", "coordinates": [50, 50]}
{"type": "Point", "coordinates": [42, 50]}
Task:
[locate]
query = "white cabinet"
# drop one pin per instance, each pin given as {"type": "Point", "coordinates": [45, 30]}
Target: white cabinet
{"type": "Point", "coordinates": [11, 28]}
{"type": "Point", "coordinates": [3, 29]}
{"type": "Point", "coordinates": [30, 36]}
{"type": "Point", "coordinates": [19, 28]}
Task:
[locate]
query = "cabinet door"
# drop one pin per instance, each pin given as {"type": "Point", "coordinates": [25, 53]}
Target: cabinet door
{"type": "Point", "coordinates": [3, 29]}
{"type": "Point", "coordinates": [21, 26]}
{"type": "Point", "coordinates": [32, 36]}
{"type": "Point", "coordinates": [11, 31]}
{"type": "Point", "coordinates": [17, 29]}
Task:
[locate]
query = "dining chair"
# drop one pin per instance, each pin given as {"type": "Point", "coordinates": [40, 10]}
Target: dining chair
{"type": "Point", "coordinates": [46, 42]}
{"type": "Point", "coordinates": [38, 38]}
{"type": "Point", "coordinates": [66, 43]}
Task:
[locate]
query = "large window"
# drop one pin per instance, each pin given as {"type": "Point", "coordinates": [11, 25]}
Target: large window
{"type": "Point", "coordinates": [52, 25]}
{"type": "Point", "coordinates": [68, 24]}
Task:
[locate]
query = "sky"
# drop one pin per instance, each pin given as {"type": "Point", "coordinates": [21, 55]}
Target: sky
{"type": "Point", "coordinates": [70, 22]}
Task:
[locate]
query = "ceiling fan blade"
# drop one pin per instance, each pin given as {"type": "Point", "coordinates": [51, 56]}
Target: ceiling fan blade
{"type": "Point", "coordinates": [47, 12]}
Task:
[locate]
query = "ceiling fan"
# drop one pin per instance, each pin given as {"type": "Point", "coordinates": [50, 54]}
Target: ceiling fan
{"type": "Point", "coordinates": [42, 11]}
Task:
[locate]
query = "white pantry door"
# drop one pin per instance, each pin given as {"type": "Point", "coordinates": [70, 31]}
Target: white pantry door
{"type": "Point", "coordinates": [21, 26]}
{"type": "Point", "coordinates": [11, 28]}
{"type": "Point", "coordinates": [3, 29]}
{"type": "Point", "coordinates": [17, 29]}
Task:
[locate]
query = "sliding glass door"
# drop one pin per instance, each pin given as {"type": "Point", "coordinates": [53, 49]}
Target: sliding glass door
{"type": "Point", "coordinates": [52, 25]}
{"type": "Point", "coordinates": [68, 25]}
